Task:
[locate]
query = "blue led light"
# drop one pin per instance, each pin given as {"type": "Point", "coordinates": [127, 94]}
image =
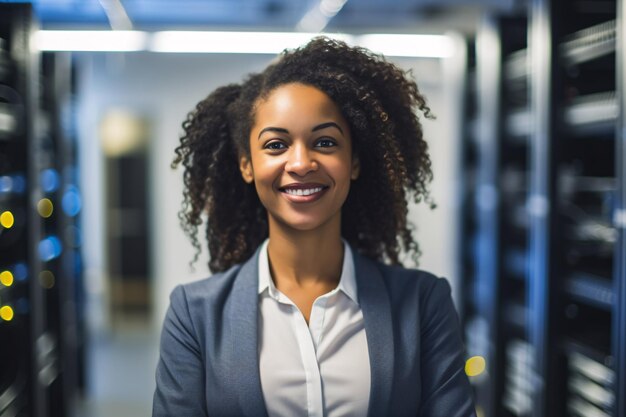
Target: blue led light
{"type": "Point", "coordinates": [49, 180]}
{"type": "Point", "coordinates": [20, 271]}
{"type": "Point", "coordinates": [19, 184]}
{"type": "Point", "coordinates": [12, 184]}
{"type": "Point", "coordinates": [71, 201]}
{"type": "Point", "coordinates": [49, 248]}
{"type": "Point", "coordinates": [6, 184]}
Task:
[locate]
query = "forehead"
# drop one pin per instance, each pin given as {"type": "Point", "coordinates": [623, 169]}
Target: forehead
{"type": "Point", "coordinates": [296, 102]}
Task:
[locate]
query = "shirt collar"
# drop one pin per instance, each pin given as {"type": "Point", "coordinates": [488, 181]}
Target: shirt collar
{"type": "Point", "coordinates": [347, 281]}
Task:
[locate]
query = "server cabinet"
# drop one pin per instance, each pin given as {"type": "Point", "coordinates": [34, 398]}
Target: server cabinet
{"type": "Point", "coordinates": [39, 236]}
{"type": "Point", "coordinates": [20, 325]}
{"type": "Point", "coordinates": [495, 213]}
{"type": "Point", "coordinates": [552, 192]}
{"type": "Point", "coordinates": [576, 240]}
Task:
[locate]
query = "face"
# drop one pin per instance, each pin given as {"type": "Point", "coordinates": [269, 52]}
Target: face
{"type": "Point", "coordinates": [301, 159]}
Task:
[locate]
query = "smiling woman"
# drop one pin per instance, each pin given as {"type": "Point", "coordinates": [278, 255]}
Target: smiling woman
{"type": "Point", "coordinates": [304, 171]}
{"type": "Point", "coordinates": [301, 161]}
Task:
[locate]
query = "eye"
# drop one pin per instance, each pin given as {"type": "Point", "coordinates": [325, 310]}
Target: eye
{"type": "Point", "coordinates": [275, 146]}
{"type": "Point", "coordinates": [326, 143]}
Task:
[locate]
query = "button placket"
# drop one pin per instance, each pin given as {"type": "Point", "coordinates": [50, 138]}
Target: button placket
{"type": "Point", "coordinates": [315, 404]}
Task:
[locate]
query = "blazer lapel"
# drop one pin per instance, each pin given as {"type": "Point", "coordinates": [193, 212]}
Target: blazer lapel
{"type": "Point", "coordinates": [376, 308]}
{"type": "Point", "coordinates": [244, 357]}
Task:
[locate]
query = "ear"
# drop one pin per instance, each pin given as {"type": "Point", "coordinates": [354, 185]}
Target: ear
{"type": "Point", "coordinates": [356, 167]}
{"type": "Point", "coordinates": [245, 166]}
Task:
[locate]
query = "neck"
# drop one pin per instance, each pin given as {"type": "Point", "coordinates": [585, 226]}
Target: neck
{"type": "Point", "coordinates": [305, 258]}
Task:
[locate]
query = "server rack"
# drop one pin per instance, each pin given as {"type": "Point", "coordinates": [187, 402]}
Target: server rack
{"type": "Point", "coordinates": [38, 268]}
{"type": "Point", "coordinates": [553, 175]}
{"type": "Point", "coordinates": [476, 328]}
{"type": "Point", "coordinates": [575, 59]}
{"type": "Point", "coordinates": [512, 168]}
{"type": "Point", "coordinates": [62, 266]}
{"type": "Point", "coordinates": [20, 324]}
{"type": "Point", "coordinates": [619, 220]}
{"type": "Point", "coordinates": [496, 256]}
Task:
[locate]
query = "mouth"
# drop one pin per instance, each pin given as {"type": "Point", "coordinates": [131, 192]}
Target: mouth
{"type": "Point", "coordinates": [303, 193]}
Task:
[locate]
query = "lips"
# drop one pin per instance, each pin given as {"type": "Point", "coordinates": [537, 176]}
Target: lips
{"type": "Point", "coordinates": [303, 192]}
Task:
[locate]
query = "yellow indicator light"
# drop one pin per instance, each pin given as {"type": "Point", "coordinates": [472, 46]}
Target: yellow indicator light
{"type": "Point", "coordinates": [46, 279]}
{"type": "Point", "coordinates": [6, 219]}
{"type": "Point", "coordinates": [475, 366]}
{"type": "Point", "coordinates": [6, 278]}
{"type": "Point", "coordinates": [6, 313]}
{"type": "Point", "coordinates": [45, 207]}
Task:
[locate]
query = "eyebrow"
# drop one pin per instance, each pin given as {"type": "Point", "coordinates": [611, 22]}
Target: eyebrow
{"type": "Point", "coordinates": [316, 128]}
{"type": "Point", "coordinates": [325, 125]}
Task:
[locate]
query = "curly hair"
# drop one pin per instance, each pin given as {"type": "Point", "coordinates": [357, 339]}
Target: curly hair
{"type": "Point", "coordinates": [380, 103]}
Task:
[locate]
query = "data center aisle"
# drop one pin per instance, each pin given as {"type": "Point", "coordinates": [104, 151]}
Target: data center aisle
{"type": "Point", "coordinates": [121, 365]}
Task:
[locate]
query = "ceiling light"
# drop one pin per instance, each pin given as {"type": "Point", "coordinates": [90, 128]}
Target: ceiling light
{"type": "Point", "coordinates": [229, 42]}
{"type": "Point", "coordinates": [425, 46]}
{"type": "Point", "coordinates": [399, 45]}
{"type": "Point", "coordinates": [91, 40]}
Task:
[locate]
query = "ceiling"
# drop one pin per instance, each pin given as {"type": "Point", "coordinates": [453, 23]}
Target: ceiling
{"type": "Point", "coordinates": [355, 16]}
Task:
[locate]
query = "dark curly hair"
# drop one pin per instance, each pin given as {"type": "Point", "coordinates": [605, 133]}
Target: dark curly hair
{"type": "Point", "coordinates": [379, 102]}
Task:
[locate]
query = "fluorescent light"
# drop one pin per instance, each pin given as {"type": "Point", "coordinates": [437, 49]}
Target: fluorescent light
{"type": "Point", "coordinates": [424, 46]}
{"type": "Point", "coordinates": [91, 40]}
{"type": "Point", "coordinates": [419, 46]}
{"type": "Point", "coordinates": [230, 42]}
{"type": "Point", "coordinates": [430, 46]}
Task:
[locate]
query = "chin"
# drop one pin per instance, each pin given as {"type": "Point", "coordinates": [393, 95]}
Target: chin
{"type": "Point", "coordinates": [303, 224]}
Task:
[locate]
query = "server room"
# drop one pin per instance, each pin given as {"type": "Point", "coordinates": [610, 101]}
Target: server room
{"type": "Point", "coordinates": [459, 250]}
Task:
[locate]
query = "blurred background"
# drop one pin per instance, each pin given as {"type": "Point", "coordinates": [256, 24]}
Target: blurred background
{"type": "Point", "coordinates": [529, 157]}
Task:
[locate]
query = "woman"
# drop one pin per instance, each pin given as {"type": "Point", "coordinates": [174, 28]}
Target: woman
{"type": "Point", "coordinates": [303, 171]}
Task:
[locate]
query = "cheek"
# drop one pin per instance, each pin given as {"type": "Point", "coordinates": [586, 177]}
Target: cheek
{"type": "Point", "coordinates": [341, 175]}
{"type": "Point", "coordinates": [267, 173]}
{"type": "Point", "coordinates": [341, 169]}
{"type": "Point", "coordinates": [265, 168]}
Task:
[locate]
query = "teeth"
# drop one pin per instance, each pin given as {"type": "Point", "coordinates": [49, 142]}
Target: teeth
{"type": "Point", "coordinates": [307, 191]}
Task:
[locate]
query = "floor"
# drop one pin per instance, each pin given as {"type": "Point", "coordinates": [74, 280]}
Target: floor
{"type": "Point", "coordinates": [120, 373]}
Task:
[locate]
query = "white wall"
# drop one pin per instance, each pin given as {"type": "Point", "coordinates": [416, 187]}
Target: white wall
{"type": "Point", "coordinates": [164, 88]}
{"type": "Point", "coordinates": [436, 230]}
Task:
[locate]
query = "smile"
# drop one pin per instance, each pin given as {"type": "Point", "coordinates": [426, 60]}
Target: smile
{"type": "Point", "coordinates": [303, 195]}
{"type": "Point", "coordinates": [306, 191]}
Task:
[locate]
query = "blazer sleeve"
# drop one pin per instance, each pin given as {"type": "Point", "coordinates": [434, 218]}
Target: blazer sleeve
{"type": "Point", "coordinates": [446, 391]}
{"type": "Point", "coordinates": [180, 371]}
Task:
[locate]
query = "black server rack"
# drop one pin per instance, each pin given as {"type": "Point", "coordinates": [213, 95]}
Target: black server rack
{"type": "Point", "coordinates": [18, 324]}
{"type": "Point", "coordinates": [60, 207]}
{"type": "Point", "coordinates": [551, 221]}
{"type": "Point", "coordinates": [495, 217]}
{"type": "Point", "coordinates": [39, 235]}
{"type": "Point", "coordinates": [474, 325]}
{"type": "Point", "coordinates": [511, 168]}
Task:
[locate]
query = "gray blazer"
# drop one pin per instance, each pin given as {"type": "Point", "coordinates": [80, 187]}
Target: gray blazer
{"type": "Point", "coordinates": [209, 363]}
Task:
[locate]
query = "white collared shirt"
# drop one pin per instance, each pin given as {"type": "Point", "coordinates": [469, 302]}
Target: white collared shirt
{"type": "Point", "coordinates": [316, 370]}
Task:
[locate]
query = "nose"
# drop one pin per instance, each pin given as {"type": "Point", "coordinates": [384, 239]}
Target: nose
{"type": "Point", "coordinates": [300, 161]}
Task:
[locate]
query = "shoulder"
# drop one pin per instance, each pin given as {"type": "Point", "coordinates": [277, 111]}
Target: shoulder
{"type": "Point", "coordinates": [195, 296]}
{"type": "Point", "coordinates": [412, 290]}
{"type": "Point", "coordinates": [425, 284]}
